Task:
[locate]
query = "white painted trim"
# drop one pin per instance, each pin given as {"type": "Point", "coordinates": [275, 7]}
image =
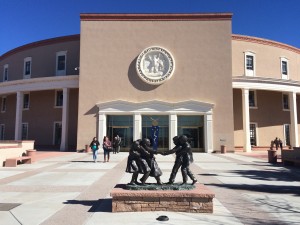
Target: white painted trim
{"type": "Point", "coordinates": [39, 84]}
{"type": "Point", "coordinates": [137, 126]}
{"type": "Point", "coordinates": [61, 72]}
{"type": "Point", "coordinates": [173, 125]}
{"type": "Point", "coordinates": [249, 72]}
{"type": "Point", "coordinates": [208, 133]}
{"type": "Point", "coordinates": [65, 120]}
{"type": "Point", "coordinates": [256, 132]}
{"type": "Point", "coordinates": [294, 119]}
{"type": "Point", "coordinates": [246, 120]}
{"type": "Point", "coordinates": [5, 67]}
{"type": "Point", "coordinates": [19, 112]}
{"type": "Point", "coordinates": [27, 59]}
{"type": "Point", "coordinates": [283, 76]}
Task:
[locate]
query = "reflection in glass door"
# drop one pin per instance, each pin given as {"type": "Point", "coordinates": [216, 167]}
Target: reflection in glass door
{"type": "Point", "coordinates": [125, 133]}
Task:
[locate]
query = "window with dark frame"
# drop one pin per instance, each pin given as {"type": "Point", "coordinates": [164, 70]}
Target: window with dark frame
{"type": "Point", "coordinates": [253, 134]}
{"type": "Point", "coordinates": [285, 101]}
{"type": "Point", "coordinates": [252, 102]}
{"type": "Point", "coordinates": [5, 74]}
{"type": "Point", "coordinates": [3, 104]}
{"type": "Point", "coordinates": [26, 101]}
{"type": "Point", "coordinates": [284, 67]}
{"type": "Point", "coordinates": [250, 62]}
{"type": "Point", "coordinates": [27, 67]}
{"type": "Point", "coordinates": [61, 62]}
{"type": "Point", "coordinates": [59, 98]}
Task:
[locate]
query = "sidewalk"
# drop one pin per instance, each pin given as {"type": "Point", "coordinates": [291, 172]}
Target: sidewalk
{"type": "Point", "coordinates": [69, 188]}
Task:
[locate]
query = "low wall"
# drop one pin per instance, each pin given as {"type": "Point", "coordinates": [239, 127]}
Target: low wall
{"type": "Point", "coordinates": [198, 200]}
{"type": "Point", "coordinates": [12, 149]}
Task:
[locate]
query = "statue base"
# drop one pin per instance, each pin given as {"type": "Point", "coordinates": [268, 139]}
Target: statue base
{"type": "Point", "coordinates": [197, 200]}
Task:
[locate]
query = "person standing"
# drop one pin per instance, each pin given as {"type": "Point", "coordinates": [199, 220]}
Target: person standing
{"type": "Point", "coordinates": [116, 144]}
{"type": "Point", "coordinates": [95, 147]}
{"type": "Point", "coordinates": [107, 148]}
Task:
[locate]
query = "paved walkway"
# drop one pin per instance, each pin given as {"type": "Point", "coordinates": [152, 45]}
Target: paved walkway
{"type": "Point", "coordinates": [68, 188]}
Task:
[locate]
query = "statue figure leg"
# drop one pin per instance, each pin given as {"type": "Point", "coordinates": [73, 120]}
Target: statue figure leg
{"type": "Point", "coordinates": [184, 174]}
{"type": "Point", "coordinates": [191, 175]}
{"type": "Point", "coordinates": [174, 171]}
{"type": "Point", "coordinates": [134, 178]}
{"type": "Point", "coordinates": [145, 177]}
{"type": "Point", "coordinates": [158, 180]}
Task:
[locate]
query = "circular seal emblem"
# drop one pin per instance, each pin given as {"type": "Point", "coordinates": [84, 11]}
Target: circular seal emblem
{"type": "Point", "coordinates": [155, 65]}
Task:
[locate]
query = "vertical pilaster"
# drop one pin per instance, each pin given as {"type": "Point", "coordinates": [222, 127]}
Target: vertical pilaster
{"type": "Point", "coordinates": [208, 133]}
{"type": "Point", "coordinates": [19, 112]}
{"type": "Point", "coordinates": [101, 126]}
{"type": "Point", "coordinates": [172, 129]}
{"type": "Point", "coordinates": [65, 121]}
{"type": "Point", "coordinates": [246, 120]}
{"type": "Point", "coordinates": [294, 119]}
{"type": "Point", "coordinates": [137, 126]}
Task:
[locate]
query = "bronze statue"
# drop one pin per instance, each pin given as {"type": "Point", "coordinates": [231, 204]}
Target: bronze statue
{"type": "Point", "coordinates": [184, 157]}
{"type": "Point", "coordinates": [141, 160]}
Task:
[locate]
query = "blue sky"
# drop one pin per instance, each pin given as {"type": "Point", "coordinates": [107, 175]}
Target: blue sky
{"type": "Point", "coordinates": [26, 21]}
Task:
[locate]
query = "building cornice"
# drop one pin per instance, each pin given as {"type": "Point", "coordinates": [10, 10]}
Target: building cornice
{"type": "Point", "coordinates": [262, 83]}
{"type": "Point", "coordinates": [51, 41]}
{"type": "Point", "coordinates": [155, 17]}
{"type": "Point", "coordinates": [39, 84]}
{"type": "Point", "coordinates": [262, 41]}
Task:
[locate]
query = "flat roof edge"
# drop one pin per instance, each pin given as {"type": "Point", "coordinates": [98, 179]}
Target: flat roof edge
{"type": "Point", "coordinates": [153, 17]}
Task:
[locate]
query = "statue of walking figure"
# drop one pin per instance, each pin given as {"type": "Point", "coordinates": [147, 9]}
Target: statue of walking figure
{"type": "Point", "coordinates": [141, 160]}
{"type": "Point", "coordinates": [184, 157]}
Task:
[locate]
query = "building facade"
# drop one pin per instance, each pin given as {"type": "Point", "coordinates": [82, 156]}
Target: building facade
{"type": "Point", "coordinates": [155, 76]}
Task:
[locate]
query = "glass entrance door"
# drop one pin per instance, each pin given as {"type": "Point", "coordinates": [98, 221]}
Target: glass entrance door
{"type": "Point", "coordinates": [195, 136]}
{"type": "Point", "coordinates": [125, 133]}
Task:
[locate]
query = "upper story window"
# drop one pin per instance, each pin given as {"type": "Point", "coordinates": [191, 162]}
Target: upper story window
{"type": "Point", "coordinates": [61, 59]}
{"type": "Point", "coordinates": [26, 99]}
{"type": "Point", "coordinates": [5, 72]}
{"type": "Point", "coordinates": [252, 99]}
{"type": "Point", "coordinates": [2, 130]}
{"type": "Point", "coordinates": [59, 98]}
{"type": "Point", "coordinates": [27, 67]}
{"type": "Point", "coordinates": [249, 64]}
{"type": "Point", "coordinates": [284, 68]}
{"type": "Point", "coordinates": [285, 102]}
{"type": "Point", "coordinates": [3, 104]}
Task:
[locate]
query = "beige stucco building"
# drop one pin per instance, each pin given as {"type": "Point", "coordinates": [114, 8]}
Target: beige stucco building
{"type": "Point", "coordinates": [126, 72]}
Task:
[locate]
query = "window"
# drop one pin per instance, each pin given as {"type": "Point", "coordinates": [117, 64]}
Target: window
{"type": "Point", "coordinates": [249, 64]}
{"type": "Point", "coordinates": [3, 104]}
{"type": "Point", "coordinates": [2, 130]}
{"type": "Point", "coordinates": [61, 58]}
{"type": "Point", "coordinates": [284, 68]}
{"type": "Point", "coordinates": [59, 98]}
{"type": "Point", "coordinates": [26, 101]}
{"type": "Point", "coordinates": [252, 99]}
{"type": "Point", "coordinates": [24, 131]}
{"type": "Point", "coordinates": [253, 135]}
{"type": "Point", "coordinates": [285, 102]}
{"type": "Point", "coordinates": [286, 132]}
{"type": "Point", "coordinates": [27, 67]}
{"type": "Point", "coordinates": [57, 133]}
{"type": "Point", "coordinates": [5, 73]}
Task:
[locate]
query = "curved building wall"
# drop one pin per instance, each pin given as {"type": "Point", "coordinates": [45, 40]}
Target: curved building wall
{"type": "Point", "coordinates": [45, 118]}
{"type": "Point", "coordinates": [273, 94]}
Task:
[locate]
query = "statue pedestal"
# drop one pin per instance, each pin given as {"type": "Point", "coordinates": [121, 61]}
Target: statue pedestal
{"type": "Point", "coordinates": [197, 200]}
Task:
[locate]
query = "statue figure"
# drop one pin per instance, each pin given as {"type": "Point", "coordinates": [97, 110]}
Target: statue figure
{"type": "Point", "coordinates": [137, 162]}
{"type": "Point", "coordinates": [184, 157]}
{"type": "Point", "coordinates": [141, 160]}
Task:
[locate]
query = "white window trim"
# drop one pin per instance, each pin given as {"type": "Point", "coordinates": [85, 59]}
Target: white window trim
{"type": "Point", "coordinates": [27, 59]}
{"type": "Point", "coordinates": [55, 105]}
{"type": "Point", "coordinates": [5, 67]}
{"type": "Point", "coordinates": [55, 122]}
{"type": "Point", "coordinates": [26, 131]}
{"type": "Point", "coordinates": [3, 134]}
{"type": "Point", "coordinates": [61, 72]}
{"type": "Point", "coordinates": [24, 101]}
{"type": "Point", "coordinates": [256, 132]}
{"type": "Point", "coordinates": [251, 73]}
{"type": "Point", "coordinates": [284, 93]}
{"type": "Point", "coordinates": [284, 137]}
{"type": "Point", "coordinates": [2, 100]}
{"type": "Point", "coordinates": [255, 100]}
{"type": "Point", "coordinates": [283, 76]}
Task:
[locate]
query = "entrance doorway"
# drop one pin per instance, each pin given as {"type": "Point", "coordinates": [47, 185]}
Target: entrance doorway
{"type": "Point", "coordinates": [125, 133]}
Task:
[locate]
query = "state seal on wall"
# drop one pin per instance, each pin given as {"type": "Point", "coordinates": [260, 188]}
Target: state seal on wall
{"type": "Point", "coordinates": [155, 65]}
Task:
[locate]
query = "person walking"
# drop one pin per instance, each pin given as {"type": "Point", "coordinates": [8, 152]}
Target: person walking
{"type": "Point", "coordinates": [106, 148]}
{"type": "Point", "coordinates": [95, 147]}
